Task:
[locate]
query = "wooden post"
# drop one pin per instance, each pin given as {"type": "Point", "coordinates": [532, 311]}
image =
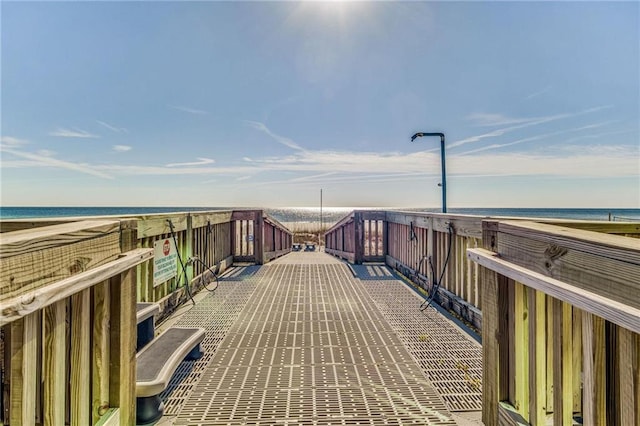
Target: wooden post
{"type": "Point", "coordinates": [625, 377]}
{"type": "Point", "coordinates": [100, 362]}
{"type": "Point", "coordinates": [188, 249]}
{"type": "Point", "coordinates": [594, 411]}
{"type": "Point", "coordinates": [23, 370]}
{"type": "Point", "coordinates": [122, 344]}
{"type": "Point", "coordinates": [562, 364]}
{"type": "Point", "coordinates": [258, 237]}
{"type": "Point", "coordinates": [430, 247]}
{"type": "Point", "coordinates": [80, 360]}
{"type": "Point", "coordinates": [54, 363]}
{"type": "Point", "coordinates": [358, 223]}
{"type": "Point", "coordinates": [491, 338]}
{"type": "Point", "coordinates": [537, 358]}
{"type": "Point", "coordinates": [521, 349]}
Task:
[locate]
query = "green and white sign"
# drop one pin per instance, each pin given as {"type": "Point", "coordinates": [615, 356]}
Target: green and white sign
{"type": "Point", "coordinates": [165, 258]}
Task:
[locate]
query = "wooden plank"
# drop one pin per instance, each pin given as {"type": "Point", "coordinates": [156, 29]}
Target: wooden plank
{"type": "Point", "coordinates": [604, 227]}
{"type": "Point", "coordinates": [151, 226]}
{"type": "Point", "coordinates": [537, 357]}
{"type": "Point", "coordinates": [521, 349]}
{"type": "Point", "coordinates": [111, 418]}
{"type": "Point", "coordinates": [54, 363]}
{"type": "Point", "coordinates": [490, 360]}
{"type": "Point", "coordinates": [625, 377]}
{"type": "Point", "coordinates": [577, 360]}
{"type": "Point", "coordinates": [611, 310]}
{"type": "Point", "coordinates": [80, 358]}
{"type": "Point", "coordinates": [562, 364]}
{"type": "Point", "coordinates": [637, 379]}
{"type": "Point", "coordinates": [405, 218]}
{"type": "Point", "coordinates": [604, 264]}
{"type": "Point", "coordinates": [31, 261]}
{"type": "Point", "coordinates": [593, 270]}
{"type": "Point", "coordinates": [122, 344]}
{"type": "Point", "coordinates": [606, 245]}
{"type": "Point", "coordinates": [200, 219]}
{"type": "Point", "coordinates": [243, 215]}
{"type": "Point", "coordinates": [510, 362]}
{"type": "Point", "coordinates": [588, 373]}
{"type": "Point", "coordinates": [550, 339]}
{"type": "Point", "coordinates": [567, 363]}
{"type": "Point", "coordinates": [24, 370]}
{"type": "Point", "coordinates": [13, 225]}
{"type": "Point", "coordinates": [32, 240]}
{"type": "Point", "coordinates": [187, 250]}
{"type": "Point", "coordinates": [594, 410]}
{"type": "Point", "coordinates": [100, 351]}
{"type": "Point", "coordinates": [359, 238]}
{"type": "Point", "coordinates": [491, 338]}
{"type": "Point", "coordinates": [34, 300]}
{"type": "Point", "coordinates": [509, 416]}
{"type": "Point", "coordinates": [258, 237]}
{"type": "Point", "coordinates": [557, 363]}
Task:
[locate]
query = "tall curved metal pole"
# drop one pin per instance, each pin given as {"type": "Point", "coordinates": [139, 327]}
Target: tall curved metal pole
{"type": "Point", "coordinates": [443, 182]}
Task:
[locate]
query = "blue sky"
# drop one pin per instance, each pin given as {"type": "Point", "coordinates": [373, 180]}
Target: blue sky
{"type": "Point", "coordinates": [265, 103]}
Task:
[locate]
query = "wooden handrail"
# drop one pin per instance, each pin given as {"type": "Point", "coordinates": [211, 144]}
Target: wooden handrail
{"type": "Point", "coordinates": [40, 298]}
{"type": "Point", "coordinates": [611, 310]}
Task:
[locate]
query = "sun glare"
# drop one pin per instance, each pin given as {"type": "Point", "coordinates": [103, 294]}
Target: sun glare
{"type": "Point", "coordinates": [332, 12]}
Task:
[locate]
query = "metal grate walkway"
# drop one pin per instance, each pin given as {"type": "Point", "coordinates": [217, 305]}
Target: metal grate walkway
{"type": "Point", "coordinates": [304, 342]}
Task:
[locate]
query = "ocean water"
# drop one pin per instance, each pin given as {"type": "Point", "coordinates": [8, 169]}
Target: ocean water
{"type": "Point", "coordinates": [330, 215]}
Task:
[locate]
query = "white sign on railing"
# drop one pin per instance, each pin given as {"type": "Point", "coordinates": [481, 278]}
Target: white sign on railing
{"type": "Point", "coordinates": [165, 258]}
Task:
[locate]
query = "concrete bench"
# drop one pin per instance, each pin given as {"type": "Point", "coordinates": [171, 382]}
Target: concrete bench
{"type": "Point", "coordinates": [144, 318]}
{"type": "Point", "coordinates": [156, 363]}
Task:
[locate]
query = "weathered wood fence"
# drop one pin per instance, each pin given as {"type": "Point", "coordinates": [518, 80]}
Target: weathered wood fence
{"type": "Point", "coordinates": [558, 303]}
{"type": "Point", "coordinates": [68, 323]}
{"type": "Point", "coordinates": [68, 293]}
{"type": "Point", "coordinates": [561, 325]}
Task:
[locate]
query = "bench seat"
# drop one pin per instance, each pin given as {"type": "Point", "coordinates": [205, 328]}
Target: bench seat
{"type": "Point", "coordinates": [157, 362]}
{"type": "Point", "coordinates": [145, 312]}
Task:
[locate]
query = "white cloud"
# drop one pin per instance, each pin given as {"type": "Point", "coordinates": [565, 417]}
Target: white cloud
{"type": "Point", "coordinates": [188, 110]}
{"type": "Point", "coordinates": [527, 123]}
{"type": "Point", "coordinates": [122, 148]}
{"type": "Point", "coordinates": [242, 178]}
{"type": "Point", "coordinates": [112, 128]}
{"type": "Point", "coordinates": [11, 141]}
{"type": "Point", "coordinates": [538, 93]}
{"type": "Point", "coordinates": [201, 162]}
{"type": "Point", "coordinates": [494, 119]}
{"type": "Point", "coordinates": [45, 153]}
{"type": "Point", "coordinates": [280, 139]}
{"type": "Point", "coordinates": [43, 160]}
{"type": "Point", "coordinates": [72, 133]}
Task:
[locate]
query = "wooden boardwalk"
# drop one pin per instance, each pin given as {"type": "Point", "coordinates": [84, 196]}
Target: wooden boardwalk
{"type": "Point", "coordinates": [303, 340]}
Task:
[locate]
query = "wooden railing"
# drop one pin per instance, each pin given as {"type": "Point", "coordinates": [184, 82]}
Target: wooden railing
{"type": "Point", "coordinates": [561, 324]}
{"type": "Point", "coordinates": [426, 246]}
{"type": "Point", "coordinates": [215, 238]}
{"type": "Point", "coordinates": [68, 323]}
{"type": "Point", "coordinates": [68, 294]}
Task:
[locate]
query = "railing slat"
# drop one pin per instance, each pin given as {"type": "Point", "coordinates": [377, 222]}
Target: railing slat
{"type": "Point", "coordinates": [521, 345]}
{"type": "Point", "coordinates": [491, 339]}
{"type": "Point", "coordinates": [625, 377]}
{"type": "Point", "coordinates": [80, 359]}
{"type": "Point", "coordinates": [54, 363]}
{"type": "Point", "coordinates": [24, 358]}
{"type": "Point", "coordinates": [100, 350]}
{"type": "Point", "coordinates": [537, 357]}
